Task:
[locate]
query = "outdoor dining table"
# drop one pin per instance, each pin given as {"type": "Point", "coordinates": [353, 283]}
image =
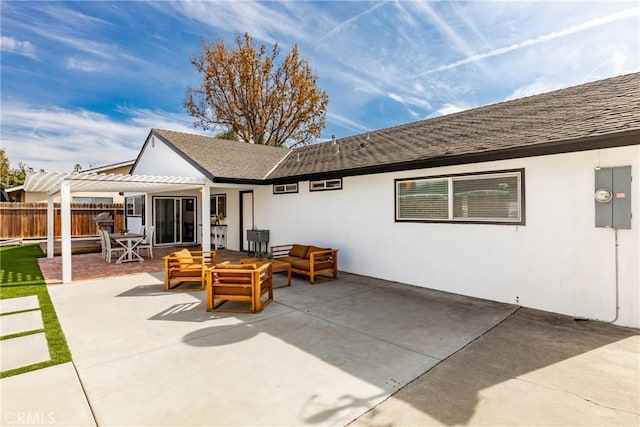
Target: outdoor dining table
{"type": "Point", "coordinates": [130, 243]}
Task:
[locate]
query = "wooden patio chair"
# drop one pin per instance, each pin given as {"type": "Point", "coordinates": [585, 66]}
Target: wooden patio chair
{"type": "Point", "coordinates": [244, 282]}
{"type": "Point", "coordinates": [187, 266]}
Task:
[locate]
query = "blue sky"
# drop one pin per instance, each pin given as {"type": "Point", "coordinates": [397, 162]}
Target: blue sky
{"type": "Point", "coordinates": [84, 82]}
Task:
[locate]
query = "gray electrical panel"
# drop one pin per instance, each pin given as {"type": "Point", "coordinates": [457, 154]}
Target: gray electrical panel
{"type": "Point", "coordinates": [613, 197]}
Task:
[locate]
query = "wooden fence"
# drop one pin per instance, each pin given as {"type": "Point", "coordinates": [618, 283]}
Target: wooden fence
{"type": "Point", "coordinates": [29, 220]}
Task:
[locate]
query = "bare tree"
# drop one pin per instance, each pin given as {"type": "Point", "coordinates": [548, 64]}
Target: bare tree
{"type": "Point", "coordinates": [244, 92]}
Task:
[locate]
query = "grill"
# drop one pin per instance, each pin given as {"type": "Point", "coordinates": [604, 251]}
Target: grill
{"type": "Point", "coordinates": [104, 221]}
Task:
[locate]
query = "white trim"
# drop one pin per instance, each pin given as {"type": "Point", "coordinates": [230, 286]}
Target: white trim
{"type": "Point", "coordinates": [65, 221]}
{"type": "Point", "coordinates": [205, 201]}
{"type": "Point", "coordinates": [49, 182]}
{"type": "Point", "coordinates": [50, 227]}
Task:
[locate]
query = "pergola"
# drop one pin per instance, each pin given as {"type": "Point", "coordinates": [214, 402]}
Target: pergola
{"type": "Point", "coordinates": [54, 183]}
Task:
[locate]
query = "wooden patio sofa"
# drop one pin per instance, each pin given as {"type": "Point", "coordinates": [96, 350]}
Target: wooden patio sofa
{"type": "Point", "coordinates": [308, 260]}
{"type": "Point", "coordinates": [187, 266]}
{"type": "Point", "coordinates": [244, 282]}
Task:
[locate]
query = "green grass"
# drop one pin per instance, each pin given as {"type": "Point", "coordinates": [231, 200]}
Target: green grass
{"type": "Point", "coordinates": [20, 276]}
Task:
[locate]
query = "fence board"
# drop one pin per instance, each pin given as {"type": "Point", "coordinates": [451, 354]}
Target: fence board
{"type": "Point", "coordinates": [29, 220]}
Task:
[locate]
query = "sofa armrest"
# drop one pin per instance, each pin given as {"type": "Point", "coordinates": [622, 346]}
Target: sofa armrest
{"type": "Point", "coordinates": [278, 251]}
{"type": "Point", "coordinates": [324, 255]}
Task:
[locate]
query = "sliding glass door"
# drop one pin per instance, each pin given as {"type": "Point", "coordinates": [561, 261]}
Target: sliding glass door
{"type": "Point", "coordinates": [175, 220]}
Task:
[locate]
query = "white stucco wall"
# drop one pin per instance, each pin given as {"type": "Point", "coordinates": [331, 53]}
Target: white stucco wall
{"type": "Point", "coordinates": [559, 261]}
{"type": "Point", "coordinates": [158, 159]}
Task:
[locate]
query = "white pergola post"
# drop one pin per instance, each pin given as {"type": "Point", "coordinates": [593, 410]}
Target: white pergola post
{"type": "Point", "coordinates": [50, 226]}
{"type": "Point", "coordinates": [206, 215]}
{"type": "Point", "coordinates": [148, 210]}
{"type": "Point", "coordinates": [65, 222]}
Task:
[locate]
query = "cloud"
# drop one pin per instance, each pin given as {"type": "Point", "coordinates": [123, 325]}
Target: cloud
{"type": "Point", "coordinates": [85, 65]}
{"type": "Point", "coordinates": [535, 88]}
{"type": "Point", "coordinates": [451, 109]}
{"type": "Point", "coordinates": [261, 20]}
{"type": "Point", "coordinates": [410, 101]}
{"type": "Point", "coordinates": [57, 138]}
{"type": "Point", "coordinates": [593, 23]}
{"type": "Point", "coordinates": [347, 122]}
{"type": "Point", "coordinates": [11, 45]}
{"type": "Point", "coordinates": [345, 24]}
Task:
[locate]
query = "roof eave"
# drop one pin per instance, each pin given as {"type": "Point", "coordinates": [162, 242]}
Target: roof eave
{"type": "Point", "coordinates": [620, 139]}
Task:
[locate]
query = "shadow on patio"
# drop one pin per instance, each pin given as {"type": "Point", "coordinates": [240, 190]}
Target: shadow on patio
{"type": "Point", "coordinates": [326, 354]}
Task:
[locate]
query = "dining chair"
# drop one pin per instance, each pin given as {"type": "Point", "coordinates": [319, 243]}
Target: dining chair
{"type": "Point", "coordinates": [109, 250]}
{"type": "Point", "coordinates": [103, 245]}
{"type": "Point", "coordinates": [147, 243]}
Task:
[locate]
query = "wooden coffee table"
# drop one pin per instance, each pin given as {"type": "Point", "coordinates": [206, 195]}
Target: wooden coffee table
{"type": "Point", "coordinates": [276, 265]}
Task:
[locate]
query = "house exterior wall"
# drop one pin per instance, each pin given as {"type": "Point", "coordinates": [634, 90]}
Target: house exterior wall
{"type": "Point", "coordinates": [158, 159]}
{"type": "Point", "coordinates": [38, 197]}
{"type": "Point", "coordinates": [558, 261]}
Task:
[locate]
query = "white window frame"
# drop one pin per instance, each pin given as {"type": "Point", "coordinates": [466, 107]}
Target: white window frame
{"type": "Point", "coordinates": [285, 188]}
{"type": "Point", "coordinates": [137, 209]}
{"type": "Point", "coordinates": [326, 184]}
{"type": "Point", "coordinates": [451, 180]}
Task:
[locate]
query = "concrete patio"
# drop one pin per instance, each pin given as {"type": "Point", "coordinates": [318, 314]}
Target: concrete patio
{"type": "Point", "coordinates": [356, 350]}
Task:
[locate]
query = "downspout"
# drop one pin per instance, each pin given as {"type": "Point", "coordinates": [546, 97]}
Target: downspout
{"type": "Point", "coordinates": [615, 233]}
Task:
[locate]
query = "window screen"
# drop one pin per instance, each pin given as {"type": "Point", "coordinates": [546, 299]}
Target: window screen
{"type": "Point", "coordinates": [327, 184]}
{"type": "Point", "coordinates": [489, 197]}
{"type": "Point", "coordinates": [423, 199]}
{"type": "Point", "coordinates": [493, 198]}
{"type": "Point", "coordinates": [285, 188]}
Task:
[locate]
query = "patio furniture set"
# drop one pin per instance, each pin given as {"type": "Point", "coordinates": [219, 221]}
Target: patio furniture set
{"type": "Point", "coordinates": [127, 246]}
{"type": "Point", "coordinates": [252, 279]}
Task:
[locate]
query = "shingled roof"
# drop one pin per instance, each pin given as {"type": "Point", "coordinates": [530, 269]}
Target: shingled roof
{"type": "Point", "coordinates": [222, 160]}
{"type": "Point", "coordinates": [594, 115]}
{"type": "Point", "coordinates": [600, 114]}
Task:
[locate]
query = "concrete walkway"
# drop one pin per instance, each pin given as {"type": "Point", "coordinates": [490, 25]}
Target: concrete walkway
{"type": "Point", "coordinates": [23, 341]}
{"type": "Point", "coordinates": [353, 349]}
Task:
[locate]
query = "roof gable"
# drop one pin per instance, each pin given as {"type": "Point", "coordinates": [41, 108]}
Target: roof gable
{"type": "Point", "coordinates": [223, 160]}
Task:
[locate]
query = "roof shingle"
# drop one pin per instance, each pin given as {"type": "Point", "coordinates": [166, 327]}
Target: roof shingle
{"type": "Point", "coordinates": [572, 117]}
{"type": "Point", "coordinates": [576, 114]}
{"type": "Point", "coordinates": [222, 159]}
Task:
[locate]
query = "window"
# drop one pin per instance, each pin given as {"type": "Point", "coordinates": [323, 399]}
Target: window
{"type": "Point", "coordinates": [493, 197]}
{"type": "Point", "coordinates": [285, 188]}
{"type": "Point", "coordinates": [327, 184]}
{"type": "Point", "coordinates": [219, 205]}
{"type": "Point", "coordinates": [134, 205]}
{"type": "Point", "coordinates": [106, 200]}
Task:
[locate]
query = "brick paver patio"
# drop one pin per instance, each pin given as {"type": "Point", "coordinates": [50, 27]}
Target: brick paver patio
{"type": "Point", "coordinates": [92, 266]}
